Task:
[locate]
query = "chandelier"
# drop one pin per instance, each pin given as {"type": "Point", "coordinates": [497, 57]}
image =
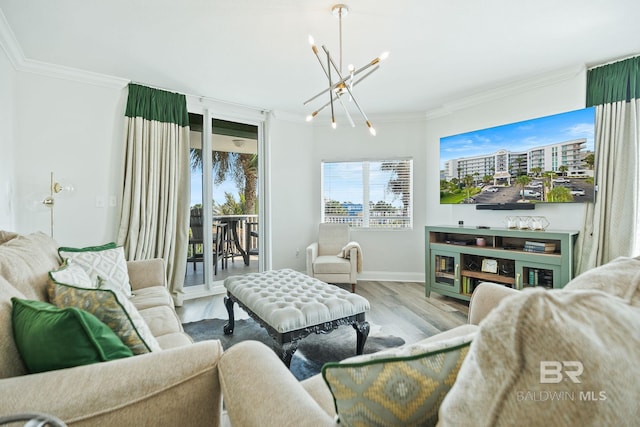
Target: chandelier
{"type": "Point", "coordinates": [340, 84]}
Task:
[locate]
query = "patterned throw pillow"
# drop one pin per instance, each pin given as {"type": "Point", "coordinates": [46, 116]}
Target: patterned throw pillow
{"type": "Point", "coordinates": [396, 387]}
{"type": "Point", "coordinates": [106, 265]}
{"type": "Point", "coordinates": [72, 274]}
{"type": "Point", "coordinates": [112, 308]}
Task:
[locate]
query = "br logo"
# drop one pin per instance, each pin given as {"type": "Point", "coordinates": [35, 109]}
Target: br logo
{"type": "Point", "coordinates": [553, 372]}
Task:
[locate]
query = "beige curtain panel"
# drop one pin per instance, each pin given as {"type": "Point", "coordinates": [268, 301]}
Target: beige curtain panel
{"type": "Point", "coordinates": [155, 210]}
{"type": "Point", "coordinates": [611, 227]}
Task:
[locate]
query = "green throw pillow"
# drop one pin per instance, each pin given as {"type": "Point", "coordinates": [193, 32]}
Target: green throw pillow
{"type": "Point", "coordinates": [396, 387]}
{"type": "Point", "coordinates": [106, 265]}
{"type": "Point", "coordinates": [51, 338]}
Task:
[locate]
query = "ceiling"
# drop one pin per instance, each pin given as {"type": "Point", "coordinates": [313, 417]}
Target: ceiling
{"type": "Point", "coordinates": [256, 53]}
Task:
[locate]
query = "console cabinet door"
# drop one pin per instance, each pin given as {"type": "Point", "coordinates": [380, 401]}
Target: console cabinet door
{"type": "Point", "coordinates": [445, 268]}
{"type": "Point", "coordinates": [531, 274]}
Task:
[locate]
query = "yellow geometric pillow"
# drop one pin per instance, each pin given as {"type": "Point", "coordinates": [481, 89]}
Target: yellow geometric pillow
{"type": "Point", "coordinates": [397, 387]}
{"type": "Point", "coordinates": [112, 308]}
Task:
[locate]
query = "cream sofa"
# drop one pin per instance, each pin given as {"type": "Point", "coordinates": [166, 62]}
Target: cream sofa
{"type": "Point", "coordinates": [593, 323]}
{"type": "Point", "coordinates": [176, 386]}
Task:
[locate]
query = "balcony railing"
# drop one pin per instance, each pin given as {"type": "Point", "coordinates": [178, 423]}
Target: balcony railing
{"type": "Point", "coordinates": [382, 222]}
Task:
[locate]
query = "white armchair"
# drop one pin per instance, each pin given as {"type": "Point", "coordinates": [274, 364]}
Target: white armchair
{"type": "Point", "coordinates": [334, 258]}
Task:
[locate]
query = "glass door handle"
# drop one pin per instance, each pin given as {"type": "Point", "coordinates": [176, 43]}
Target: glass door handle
{"type": "Point", "coordinates": [457, 272]}
{"type": "Point", "coordinates": [518, 284]}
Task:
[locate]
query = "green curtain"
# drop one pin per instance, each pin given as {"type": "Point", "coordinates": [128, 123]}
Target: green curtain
{"type": "Point", "coordinates": [615, 82]}
{"type": "Point", "coordinates": [159, 105]}
{"type": "Point", "coordinates": [612, 223]}
{"type": "Point", "coordinates": [154, 220]}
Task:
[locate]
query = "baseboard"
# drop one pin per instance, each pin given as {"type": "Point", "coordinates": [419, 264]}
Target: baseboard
{"type": "Point", "coordinates": [392, 276]}
{"type": "Point", "coordinates": [199, 291]}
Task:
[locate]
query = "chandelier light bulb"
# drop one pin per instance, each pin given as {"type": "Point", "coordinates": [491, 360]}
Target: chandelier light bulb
{"type": "Point", "coordinates": [372, 130]}
{"type": "Point", "coordinates": [311, 41]}
{"type": "Point", "coordinates": [333, 124]}
{"type": "Point", "coordinates": [384, 55]}
{"type": "Point", "coordinates": [312, 115]}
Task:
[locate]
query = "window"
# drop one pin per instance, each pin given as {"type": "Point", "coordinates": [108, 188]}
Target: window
{"type": "Point", "coordinates": [368, 194]}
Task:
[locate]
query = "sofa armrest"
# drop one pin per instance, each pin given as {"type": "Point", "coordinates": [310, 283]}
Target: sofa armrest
{"type": "Point", "coordinates": [147, 273]}
{"type": "Point", "coordinates": [485, 298]}
{"type": "Point", "coordinates": [259, 390]}
{"type": "Point", "coordinates": [312, 254]}
{"type": "Point", "coordinates": [172, 387]}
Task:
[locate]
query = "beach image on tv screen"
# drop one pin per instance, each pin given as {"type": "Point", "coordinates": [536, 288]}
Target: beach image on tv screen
{"type": "Point", "coordinates": [543, 160]}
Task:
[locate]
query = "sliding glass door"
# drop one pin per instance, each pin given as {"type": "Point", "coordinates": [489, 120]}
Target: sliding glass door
{"type": "Point", "coordinates": [225, 201]}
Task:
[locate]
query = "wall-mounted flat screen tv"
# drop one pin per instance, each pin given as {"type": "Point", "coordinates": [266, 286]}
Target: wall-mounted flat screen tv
{"type": "Point", "coordinates": [543, 160]}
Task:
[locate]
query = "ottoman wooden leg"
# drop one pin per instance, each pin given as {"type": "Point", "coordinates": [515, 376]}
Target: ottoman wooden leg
{"type": "Point", "coordinates": [362, 332]}
{"type": "Point", "coordinates": [287, 352]}
{"type": "Point", "coordinates": [228, 328]}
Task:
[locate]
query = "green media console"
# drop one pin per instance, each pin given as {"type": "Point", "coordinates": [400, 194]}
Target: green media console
{"type": "Point", "coordinates": [459, 258]}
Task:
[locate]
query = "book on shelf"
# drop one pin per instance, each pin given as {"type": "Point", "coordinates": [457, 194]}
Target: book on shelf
{"type": "Point", "coordinates": [446, 264]}
{"type": "Point", "coordinates": [469, 284]}
{"type": "Point", "coordinates": [539, 247]}
{"type": "Point", "coordinates": [540, 277]}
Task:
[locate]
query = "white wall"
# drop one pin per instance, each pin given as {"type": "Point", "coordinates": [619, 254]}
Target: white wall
{"type": "Point", "coordinates": [74, 129]}
{"type": "Point", "coordinates": [388, 254]}
{"type": "Point", "coordinates": [7, 181]}
{"type": "Point", "coordinates": [293, 218]}
{"type": "Point", "coordinates": [565, 93]}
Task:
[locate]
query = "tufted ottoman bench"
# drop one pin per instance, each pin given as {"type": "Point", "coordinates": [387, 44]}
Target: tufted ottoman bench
{"type": "Point", "coordinates": [291, 305]}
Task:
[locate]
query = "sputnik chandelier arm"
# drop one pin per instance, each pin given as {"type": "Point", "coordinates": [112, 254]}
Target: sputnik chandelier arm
{"type": "Point", "coordinates": [346, 83]}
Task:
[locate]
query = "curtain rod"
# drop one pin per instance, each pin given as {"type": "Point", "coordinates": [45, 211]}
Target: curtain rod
{"type": "Point", "coordinates": [613, 61]}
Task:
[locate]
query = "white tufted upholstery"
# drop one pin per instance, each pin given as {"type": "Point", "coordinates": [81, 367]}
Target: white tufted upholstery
{"type": "Point", "coordinates": [288, 300]}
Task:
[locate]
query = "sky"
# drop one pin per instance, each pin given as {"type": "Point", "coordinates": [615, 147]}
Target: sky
{"type": "Point", "coordinates": [218, 190]}
{"type": "Point", "coordinates": [521, 136]}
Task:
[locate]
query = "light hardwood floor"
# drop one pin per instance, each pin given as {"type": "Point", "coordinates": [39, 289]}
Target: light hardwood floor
{"type": "Point", "coordinates": [397, 308]}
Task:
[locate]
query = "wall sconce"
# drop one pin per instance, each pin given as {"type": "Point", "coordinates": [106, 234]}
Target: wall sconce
{"type": "Point", "coordinates": [50, 201]}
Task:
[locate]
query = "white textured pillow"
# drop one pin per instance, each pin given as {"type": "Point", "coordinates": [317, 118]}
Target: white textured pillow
{"type": "Point", "coordinates": [73, 274]}
{"type": "Point", "coordinates": [106, 265]}
{"type": "Point", "coordinates": [548, 358]}
{"type": "Point", "coordinates": [619, 277]}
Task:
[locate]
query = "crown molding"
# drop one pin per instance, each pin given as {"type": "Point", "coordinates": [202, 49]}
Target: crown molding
{"type": "Point", "coordinates": [73, 74]}
{"type": "Point", "coordinates": [20, 62]}
{"type": "Point", "coordinates": [513, 88]}
{"type": "Point", "coordinates": [9, 43]}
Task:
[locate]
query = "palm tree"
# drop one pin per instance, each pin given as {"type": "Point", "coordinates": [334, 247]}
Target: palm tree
{"type": "Point", "coordinates": [559, 194]}
{"type": "Point", "coordinates": [589, 159]}
{"type": "Point", "coordinates": [522, 182]}
{"type": "Point", "coordinates": [398, 181]}
{"type": "Point", "coordinates": [468, 182]}
{"type": "Point", "coordinates": [563, 170]}
{"type": "Point", "coordinates": [241, 167]}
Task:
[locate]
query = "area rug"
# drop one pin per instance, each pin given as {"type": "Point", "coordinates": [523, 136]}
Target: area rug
{"type": "Point", "coordinates": [313, 351]}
